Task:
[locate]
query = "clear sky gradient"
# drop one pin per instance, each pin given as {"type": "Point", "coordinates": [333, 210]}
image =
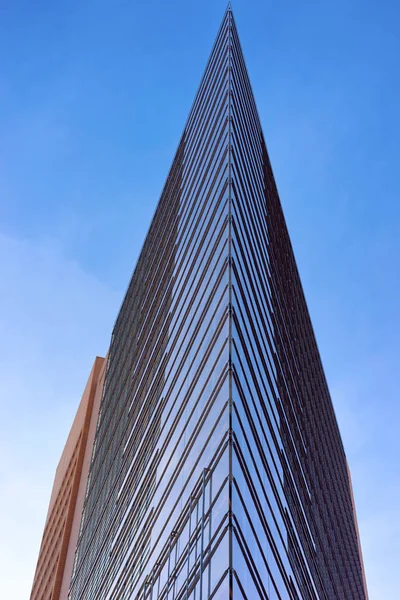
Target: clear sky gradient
{"type": "Point", "coordinates": [93, 99]}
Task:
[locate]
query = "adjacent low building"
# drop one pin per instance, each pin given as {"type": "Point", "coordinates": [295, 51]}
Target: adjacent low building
{"type": "Point", "coordinates": [57, 550]}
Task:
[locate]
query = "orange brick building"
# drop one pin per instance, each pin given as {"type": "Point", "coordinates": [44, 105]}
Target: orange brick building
{"type": "Point", "coordinates": [57, 550]}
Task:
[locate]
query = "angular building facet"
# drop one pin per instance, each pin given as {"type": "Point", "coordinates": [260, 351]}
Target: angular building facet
{"type": "Point", "coordinates": [218, 469]}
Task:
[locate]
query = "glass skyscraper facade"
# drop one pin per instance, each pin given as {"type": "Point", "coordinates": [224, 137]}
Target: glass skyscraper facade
{"type": "Point", "coordinates": [218, 469]}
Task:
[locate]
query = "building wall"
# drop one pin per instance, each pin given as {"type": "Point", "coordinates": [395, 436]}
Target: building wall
{"type": "Point", "coordinates": [294, 528]}
{"type": "Point", "coordinates": [161, 465]}
{"type": "Point", "coordinates": [219, 469]}
{"type": "Point", "coordinates": [54, 566]}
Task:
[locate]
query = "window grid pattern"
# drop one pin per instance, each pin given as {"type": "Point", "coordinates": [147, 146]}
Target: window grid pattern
{"type": "Point", "coordinates": [164, 412]}
{"type": "Point", "coordinates": [294, 525]}
{"type": "Point", "coordinates": [218, 469]}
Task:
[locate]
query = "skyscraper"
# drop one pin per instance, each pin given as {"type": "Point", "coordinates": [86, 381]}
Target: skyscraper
{"type": "Point", "coordinates": [218, 469]}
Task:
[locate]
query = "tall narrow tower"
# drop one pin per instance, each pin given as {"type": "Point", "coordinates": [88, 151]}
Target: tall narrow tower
{"type": "Point", "coordinates": [218, 469]}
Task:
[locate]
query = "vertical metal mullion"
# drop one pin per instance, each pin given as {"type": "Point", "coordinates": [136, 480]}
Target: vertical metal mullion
{"type": "Point", "coordinates": [209, 539]}
{"type": "Point", "coordinates": [230, 92]}
{"type": "Point", "coordinates": [152, 584]}
{"type": "Point", "coordinates": [159, 581]}
{"type": "Point", "coordinates": [195, 554]}
{"type": "Point", "coordinates": [169, 565]}
{"type": "Point", "coordinates": [189, 546]}
{"type": "Point", "coordinates": [175, 563]}
{"type": "Point", "coordinates": [203, 506]}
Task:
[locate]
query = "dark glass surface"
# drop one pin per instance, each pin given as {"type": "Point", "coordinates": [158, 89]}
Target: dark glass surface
{"type": "Point", "coordinates": [218, 469]}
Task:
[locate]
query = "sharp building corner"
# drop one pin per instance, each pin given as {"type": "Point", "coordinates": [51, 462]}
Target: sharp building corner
{"type": "Point", "coordinates": [217, 467]}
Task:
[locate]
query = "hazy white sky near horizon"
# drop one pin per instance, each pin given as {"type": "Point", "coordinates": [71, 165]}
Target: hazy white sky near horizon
{"type": "Point", "coordinates": [93, 100]}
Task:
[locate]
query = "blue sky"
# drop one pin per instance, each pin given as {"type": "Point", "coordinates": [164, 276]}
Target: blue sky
{"type": "Point", "coordinates": [93, 100]}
